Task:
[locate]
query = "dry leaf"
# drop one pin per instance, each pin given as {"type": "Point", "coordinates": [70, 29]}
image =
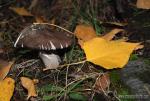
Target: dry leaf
{"type": "Point", "coordinates": [144, 4]}
{"type": "Point", "coordinates": [108, 54]}
{"type": "Point", "coordinates": [39, 20]}
{"type": "Point", "coordinates": [85, 32]}
{"type": "Point", "coordinates": [35, 81]}
{"type": "Point", "coordinates": [111, 34]}
{"type": "Point", "coordinates": [21, 11]}
{"type": "Point", "coordinates": [139, 47]}
{"type": "Point", "coordinates": [6, 89]}
{"type": "Point", "coordinates": [29, 85]}
{"type": "Point", "coordinates": [103, 82]}
{"type": "Point", "coordinates": [4, 68]}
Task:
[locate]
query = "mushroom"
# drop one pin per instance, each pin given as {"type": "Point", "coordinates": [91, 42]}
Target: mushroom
{"type": "Point", "coordinates": [41, 37]}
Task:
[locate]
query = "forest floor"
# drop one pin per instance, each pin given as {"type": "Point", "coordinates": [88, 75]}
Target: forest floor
{"type": "Point", "coordinates": [75, 82]}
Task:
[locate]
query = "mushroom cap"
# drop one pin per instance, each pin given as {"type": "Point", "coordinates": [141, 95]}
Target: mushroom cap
{"type": "Point", "coordinates": [41, 37]}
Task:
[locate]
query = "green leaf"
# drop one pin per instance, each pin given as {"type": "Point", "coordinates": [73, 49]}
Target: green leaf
{"type": "Point", "coordinates": [114, 77]}
{"type": "Point", "coordinates": [50, 87]}
{"type": "Point", "coordinates": [77, 96]}
{"type": "Point", "coordinates": [133, 57]}
{"type": "Point", "coordinates": [47, 98]}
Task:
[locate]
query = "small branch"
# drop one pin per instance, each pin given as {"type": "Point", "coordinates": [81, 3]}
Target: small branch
{"type": "Point", "coordinates": [72, 64]}
{"type": "Point", "coordinates": [56, 26]}
{"type": "Point", "coordinates": [67, 65]}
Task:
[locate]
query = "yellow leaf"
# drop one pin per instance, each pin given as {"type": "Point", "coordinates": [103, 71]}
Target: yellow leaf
{"type": "Point", "coordinates": [144, 4]}
{"type": "Point", "coordinates": [6, 89]}
{"type": "Point", "coordinates": [111, 34]}
{"type": "Point", "coordinates": [4, 68]}
{"type": "Point", "coordinates": [108, 54]}
{"type": "Point", "coordinates": [35, 81]}
{"type": "Point", "coordinates": [29, 85]}
{"type": "Point", "coordinates": [139, 47]}
{"type": "Point", "coordinates": [85, 32]}
{"type": "Point", "coordinates": [21, 11]}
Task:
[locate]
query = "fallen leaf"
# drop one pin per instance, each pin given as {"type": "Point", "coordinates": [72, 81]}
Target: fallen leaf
{"type": "Point", "coordinates": [21, 11]}
{"type": "Point", "coordinates": [139, 47]}
{"type": "Point", "coordinates": [6, 89]}
{"type": "Point", "coordinates": [111, 34]}
{"type": "Point", "coordinates": [29, 85]}
{"type": "Point", "coordinates": [144, 4]}
{"type": "Point", "coordinates": [4, 68]}
{"type": "Point", "coordinates": [102, 82]}
{"type": "Point", "coordinates": [85, 32]}
{"type": "Point", "coordinates": [39, 20]}
{"type": "Point", "coordinates": [108, 54]}
{"type": "Point", "coordinates": [35, 81]}
{"type": "Point", "coordinates": [123, 39]}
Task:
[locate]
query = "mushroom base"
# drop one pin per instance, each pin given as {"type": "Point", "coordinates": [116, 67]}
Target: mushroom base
{"type": "Point", "coordinates": [51, 61]}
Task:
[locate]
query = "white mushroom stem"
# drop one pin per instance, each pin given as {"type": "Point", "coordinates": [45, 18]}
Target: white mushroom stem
{"type": "Point", "coordinates": [51, 61]}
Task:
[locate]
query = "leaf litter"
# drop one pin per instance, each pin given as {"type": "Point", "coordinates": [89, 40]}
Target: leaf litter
{"type": "Point", "coordinates": [95, 51]}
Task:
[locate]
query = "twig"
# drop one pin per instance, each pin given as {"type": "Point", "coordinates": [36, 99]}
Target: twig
{"type": "Point", "coordinates": [26, 63]}
{"type": "Point", "coordinates": [78, 81]}
{"type": "Point", "coordinates": [76, 63]}
{"type": "Point", "coordinates": [65, 95]}
{"type": "Point", "coordinates": [61, 66]}
{"type": "Point", "coordinates": [56, 26]}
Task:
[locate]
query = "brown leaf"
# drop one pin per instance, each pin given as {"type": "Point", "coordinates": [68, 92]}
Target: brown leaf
{"type": "Point", "coordinates": [29, 85]}
{"type": "Point", "coordinates": [4, 68]}
{"type": "Point", "coordinates": [35, 81]}
{"type": "Point", "coordinates": [21, 11]}
{"type": "Point", "coordinates": [39, 20]}
{"type": "Point", "coordinates": [111, 34]}
{"type": "Point", "coordinates": [144, 4]}
{"type": "Point", "coordinates": [103, 82]}
{"type": "Point", "coordinates": [85, 32]}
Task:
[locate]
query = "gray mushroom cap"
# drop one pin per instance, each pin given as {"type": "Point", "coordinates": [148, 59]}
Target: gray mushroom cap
{"type": "Point", "coordinates": [41, 37]}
